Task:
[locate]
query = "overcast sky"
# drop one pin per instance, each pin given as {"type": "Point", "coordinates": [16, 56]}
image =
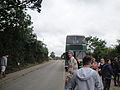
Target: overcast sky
{"type": "Point", "coordinates": [59, 18]}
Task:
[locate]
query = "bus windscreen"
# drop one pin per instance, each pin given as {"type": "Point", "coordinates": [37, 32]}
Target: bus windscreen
{"type": "Point", "coordinates": [75, 39]}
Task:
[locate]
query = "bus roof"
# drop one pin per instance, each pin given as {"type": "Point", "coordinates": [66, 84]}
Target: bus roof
{"type": "Point", "coordinates": [76, 35]}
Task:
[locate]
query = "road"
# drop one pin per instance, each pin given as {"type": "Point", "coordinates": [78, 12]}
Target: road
{"type": "Point", "coordinates": [49, 77]}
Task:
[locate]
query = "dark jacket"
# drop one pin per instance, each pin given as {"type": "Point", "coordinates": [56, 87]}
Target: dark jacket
{"type": "Point", "coordinates": [115, 66]}
{"type": "Point", "coordinates": [107, 71]}
{"type": "Point", "coordinates": [100, 67]}
{"type": "Point", "coordinates": [119, 66]}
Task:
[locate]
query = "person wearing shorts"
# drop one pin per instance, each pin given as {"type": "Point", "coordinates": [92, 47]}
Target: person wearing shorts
{"type": "Point", "coordinates": [3, 64]}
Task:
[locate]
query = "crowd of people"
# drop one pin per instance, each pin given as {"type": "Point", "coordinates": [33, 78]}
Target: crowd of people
{"type": "Point", "coordinates": [92, 75]}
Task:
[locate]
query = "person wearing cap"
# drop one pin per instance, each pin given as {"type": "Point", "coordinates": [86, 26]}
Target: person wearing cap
{"type": "Point", "coordinates": [72, 67]}
{"type": "Point", "coordinates": [72, 63]}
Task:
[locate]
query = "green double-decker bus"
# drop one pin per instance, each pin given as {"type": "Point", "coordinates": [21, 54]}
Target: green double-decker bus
{"type": "Point", "coordinates": [76, 44]}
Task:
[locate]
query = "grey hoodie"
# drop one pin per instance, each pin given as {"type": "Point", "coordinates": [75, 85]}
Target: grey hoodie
{"type": "Point", "coordinates": [86, 79]}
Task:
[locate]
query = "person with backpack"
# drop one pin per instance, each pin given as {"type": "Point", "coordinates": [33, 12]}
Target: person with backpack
{"type": "Point", "coordinates": [107, 73]}
{"type": "Point", "coordinates": [86, 78]}
{"type": "Point", "coordinates": [3, 65]}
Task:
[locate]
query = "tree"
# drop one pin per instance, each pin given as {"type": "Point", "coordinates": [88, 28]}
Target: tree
{"type": "Point", "coordinates": [12, 12]}
{"type": "Point", "coordinates": [63, 56]}
{"type": "Point", "coordinates": [52, 54]}
{"type": "Point", "coordinates": [96, 45]}
{"type": "Point", "coordinates": [118, 47]}
{"type": "Point", "coordinates": [16, 32]}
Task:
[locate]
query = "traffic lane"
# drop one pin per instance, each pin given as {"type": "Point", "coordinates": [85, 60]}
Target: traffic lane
{"type": "Point", "coordinates": [50, 77]}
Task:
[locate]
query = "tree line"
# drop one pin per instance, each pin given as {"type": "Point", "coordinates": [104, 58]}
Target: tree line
{"type": "Point", "coordinates": [16, 33]}
{"type": "Point", "coordinates": [99, 49]}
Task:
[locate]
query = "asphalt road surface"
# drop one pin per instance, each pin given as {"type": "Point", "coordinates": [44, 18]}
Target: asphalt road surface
{"type": "Point", "coordinates": [49, 77]}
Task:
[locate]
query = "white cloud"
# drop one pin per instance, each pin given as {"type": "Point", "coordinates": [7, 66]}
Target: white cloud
{"type": "Point", "coordinates": [59, 18]}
